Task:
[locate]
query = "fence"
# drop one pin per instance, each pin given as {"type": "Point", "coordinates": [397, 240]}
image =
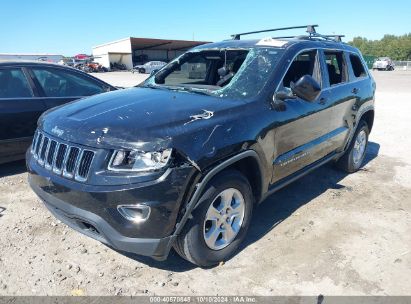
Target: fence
{"type": "Point", "coordinates": [403, 65]}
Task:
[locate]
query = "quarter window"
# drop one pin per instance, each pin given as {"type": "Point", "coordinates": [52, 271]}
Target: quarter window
{"type": "Point", "coordinates": [337, 71]}
{"type": "Point", "coordinates": [357, 66]}
{"type": "Point", "coordinates": [60, 83]}
{"type": "Point", "coordinates": [14, 84]}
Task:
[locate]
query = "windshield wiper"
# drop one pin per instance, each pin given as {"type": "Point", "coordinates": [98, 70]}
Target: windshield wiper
{"type": "Point", "coordinates": [190, 89]}
{"type": "Point", "coordinates": [148, 85]}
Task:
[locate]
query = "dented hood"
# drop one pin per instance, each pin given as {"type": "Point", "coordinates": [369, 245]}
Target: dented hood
{"type": "Point", "coordinates": [133, 118]}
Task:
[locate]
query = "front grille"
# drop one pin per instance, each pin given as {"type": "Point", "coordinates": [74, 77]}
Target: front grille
{"type": "Point", "coordinates": [61, 158]}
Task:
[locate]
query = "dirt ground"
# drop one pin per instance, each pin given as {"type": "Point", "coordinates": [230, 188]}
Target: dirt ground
{"type": "Point", "coordinates": [328, 233]}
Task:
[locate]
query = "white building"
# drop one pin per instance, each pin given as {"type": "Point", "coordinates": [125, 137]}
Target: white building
{"type": "Point", "coordinates": [39, 57]}
{"type": "Point", "coordinates": [132, 51]}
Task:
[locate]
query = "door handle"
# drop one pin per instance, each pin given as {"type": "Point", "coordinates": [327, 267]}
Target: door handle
{"type": "Point", "coordinates": [323, 100]}
{"type": "Point", "coordinates": [355, 90]}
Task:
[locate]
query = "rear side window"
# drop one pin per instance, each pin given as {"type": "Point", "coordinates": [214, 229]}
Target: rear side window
{"type": "Point", "coordinates": [14, 84]}
{"type": "Point", "coordinates": [60, 83]}
{"type": "Point", "coordinates": [357, 66]}
{"type": "Point", "coordinates": [337, 70]}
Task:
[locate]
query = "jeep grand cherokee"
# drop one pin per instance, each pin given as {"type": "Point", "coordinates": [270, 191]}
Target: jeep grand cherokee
{"type": "Point", "coordinates": [182, 159]}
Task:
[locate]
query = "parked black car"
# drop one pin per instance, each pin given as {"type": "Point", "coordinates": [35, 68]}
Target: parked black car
{"type": "Point", "coordinates": [27, 89]}
{"type": "Point", "coordinates": [181, 160]}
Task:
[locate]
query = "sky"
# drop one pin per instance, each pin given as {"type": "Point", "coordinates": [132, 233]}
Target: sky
{"type": "Point", "coordinates": [70, 27]}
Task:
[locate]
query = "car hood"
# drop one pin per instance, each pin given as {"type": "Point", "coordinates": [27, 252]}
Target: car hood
{"type": "Point", "coordinates": [141, 118]}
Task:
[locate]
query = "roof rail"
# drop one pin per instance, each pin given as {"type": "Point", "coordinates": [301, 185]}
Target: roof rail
{"type": "Point", "coordinates": [334, 37]}
{"type": "Point", "coordinates": [310, 30]}
{"type": "Point", "coordinates": [316, 36]}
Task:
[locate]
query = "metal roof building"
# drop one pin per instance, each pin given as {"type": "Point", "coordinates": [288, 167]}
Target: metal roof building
{"type": "Point", "coordinates": [131, 51]}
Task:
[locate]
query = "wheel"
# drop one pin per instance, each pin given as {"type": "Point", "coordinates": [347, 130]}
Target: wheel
{"type": "Point", "coordinates": [352, 159]}
{"type": "Point", "coordinates": [141, 71]}
{"type": "Point", "coordinates": [220, 221]}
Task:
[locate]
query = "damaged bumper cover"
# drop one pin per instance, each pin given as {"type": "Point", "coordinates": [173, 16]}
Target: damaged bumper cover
{"type": "Point", "coordinates": [92, 210]}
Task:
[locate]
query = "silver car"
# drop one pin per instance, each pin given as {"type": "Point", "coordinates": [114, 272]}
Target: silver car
{"type": "Point", "coordinates": [383, 63]}
{"type": "Point", "coordinates": [148, 67]}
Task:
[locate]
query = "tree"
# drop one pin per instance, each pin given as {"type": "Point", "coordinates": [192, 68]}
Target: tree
{"type": "Point", "coordinates": [395, 47]}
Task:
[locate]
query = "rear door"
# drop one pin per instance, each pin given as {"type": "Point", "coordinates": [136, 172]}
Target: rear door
{"type": "Point", "coordinates": [20, 109]}
{"type": "Point", "coordinates": [342, 95]}
{"type": "Point", "coordinates": [59, 86]}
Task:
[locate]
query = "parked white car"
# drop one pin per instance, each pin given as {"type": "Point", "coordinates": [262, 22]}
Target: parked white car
{"type": "Point", "coordinates": [149, 67]}
{"type": "Point", "coordinates": [383, 63]}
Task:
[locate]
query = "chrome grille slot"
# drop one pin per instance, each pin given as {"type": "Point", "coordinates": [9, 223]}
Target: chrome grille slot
{"type": "Point", "coordinates": [33, 144]}
{"type": "Point", "coordinates": [43, 150]}
{"type": "Point", "coordinates": [71, 162]}
{"type": "Point", "coordinates": [50, 154]}
{"type": "Point", "coordinates": [84, 166]}
{"type": "Point", "coordinates": [67, 160]}
{"type": "Point", "coordinates": [60, 156]}
{"type": "Point", "coordinates": [38, 144]}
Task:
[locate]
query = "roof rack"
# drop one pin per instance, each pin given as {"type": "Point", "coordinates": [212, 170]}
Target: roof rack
{"type": "Point", "coordinates": [310, 28]}
{"type": "Point", "coordinates": [314, 34]}
{"type": "Point", "coordinates": [335, 38]}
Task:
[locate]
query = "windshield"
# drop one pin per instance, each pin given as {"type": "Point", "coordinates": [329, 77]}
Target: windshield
{"type": "Point", "coordinates": [225, 73]}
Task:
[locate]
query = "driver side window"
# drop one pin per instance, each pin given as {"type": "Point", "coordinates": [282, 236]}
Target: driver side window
{"type": "Point", "coordinates": [60, 83]}
{"type": "Point", "coordinates": [304, 64]}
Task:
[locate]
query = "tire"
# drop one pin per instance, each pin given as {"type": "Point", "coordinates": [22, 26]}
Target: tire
{"type": "Point", "coordinates": [350, 162]}
{"type": "Point", "coordinates": [192, 245]}
{"type": "Point", "coordinates": [141, 71]}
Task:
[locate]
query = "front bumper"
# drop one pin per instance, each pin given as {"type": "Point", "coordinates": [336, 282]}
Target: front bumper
{"type": "Point", "coordinates": [97, 228]}
{"type": "Point", "coordinates": [92, 210]}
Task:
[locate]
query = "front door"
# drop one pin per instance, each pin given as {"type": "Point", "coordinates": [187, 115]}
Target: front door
{"type": "Point", "coordinates": [19, 112]}
{"type": "Point", "coordinates": [303, 127]}
{"type": "Point", "coordinates": [60, 86]}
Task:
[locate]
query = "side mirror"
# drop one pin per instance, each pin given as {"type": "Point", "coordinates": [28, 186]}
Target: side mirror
{"type": "Point", "coordinates": [306, 88]}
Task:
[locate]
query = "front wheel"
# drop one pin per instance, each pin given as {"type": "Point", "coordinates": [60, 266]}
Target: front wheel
{"type": "Point", "coordinates": [220, 222]}
{"type": "Point", "coordinates": [353, 158]}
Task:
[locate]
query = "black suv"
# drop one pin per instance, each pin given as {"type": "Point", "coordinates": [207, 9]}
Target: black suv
{"type": "Point", "coordinates": [182, 159]}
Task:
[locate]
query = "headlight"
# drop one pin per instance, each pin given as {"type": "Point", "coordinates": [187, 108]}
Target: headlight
{"type": "Point", "coordinates": [139, 161]}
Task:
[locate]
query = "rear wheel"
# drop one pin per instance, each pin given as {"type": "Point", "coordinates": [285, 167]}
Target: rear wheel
{"type": "Point", "coordinates": [352, 159]}
{"type": "Point", "coordinates": [220, 222]}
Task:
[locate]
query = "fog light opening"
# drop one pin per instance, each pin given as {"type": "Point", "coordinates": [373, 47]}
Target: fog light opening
{"type": "Point", "coordinates": [135, 213]}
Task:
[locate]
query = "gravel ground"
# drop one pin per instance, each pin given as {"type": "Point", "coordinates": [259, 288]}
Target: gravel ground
{"type": "Point", "coordinates": [327, 233]}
